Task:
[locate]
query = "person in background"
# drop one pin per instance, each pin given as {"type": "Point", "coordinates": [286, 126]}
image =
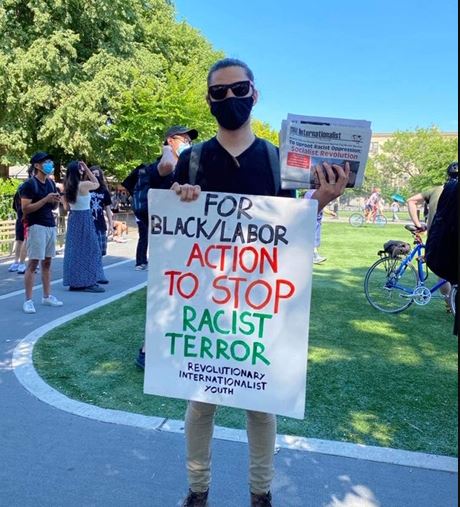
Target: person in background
{"type": "Point", "coordinates": [20, 243]}
{"type": "Point", "coordinates": [101, 203]}
{"type": "Point", "coordinates": [429, 199]}
{"type": "Point", "coordinates": [395, 210]}
{"type": "Point", "coordinates": [373, 205]}
{"type": "Point", "coordinates": [177, 139]}
{"type": "Point", "coordinates": [335, 208]}
{"type": "Point", "coordinates": [317, 258]}
{"type": "Point", "coordinates": [39, 197]}
{"type": "Point", "coordinates": [82, 254]}
{"type": "Point", "coordinates": [158, 175]}
{"type": "Point", "coordinates": [235, 160]}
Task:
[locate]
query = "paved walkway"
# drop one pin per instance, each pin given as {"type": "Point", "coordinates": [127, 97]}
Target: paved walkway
{"type": "Point", "coordinates": [50, 457]}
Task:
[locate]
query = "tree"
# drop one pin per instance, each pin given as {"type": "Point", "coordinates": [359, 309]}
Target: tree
{"type": "Point", "coordinates": [419, 158]}
{"type": "Point", "coordinates": [67, 66]}
{"type": "Point", "coordinates": [265, 131]}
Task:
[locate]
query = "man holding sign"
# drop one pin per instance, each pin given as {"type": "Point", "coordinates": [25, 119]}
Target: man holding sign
{"type": "Point", "coordinates": [233, 162]}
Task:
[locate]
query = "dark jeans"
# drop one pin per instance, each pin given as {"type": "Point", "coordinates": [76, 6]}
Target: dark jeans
{"type": "Point", "coordinates": [143, 242]}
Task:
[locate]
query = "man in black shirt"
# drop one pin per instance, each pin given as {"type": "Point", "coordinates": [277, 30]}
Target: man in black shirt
{"type": "Point", "coordinates": [236, 161]}
{"type": "Point", "coordinates": [39, 197]}
{"type": "Point", "coordinates": [157, 175]}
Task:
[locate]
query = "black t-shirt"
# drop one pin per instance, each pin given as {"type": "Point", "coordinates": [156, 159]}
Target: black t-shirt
{"type": "Point", "coordinates": [248, 173]}
{"type": "Point", "coordinates": [35, 190]}
{"type": "Point", "coordinates": [100, 198]}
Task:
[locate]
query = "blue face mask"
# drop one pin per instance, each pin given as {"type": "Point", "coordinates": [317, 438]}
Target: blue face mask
{"type": "Point", "coordinates": [48, 167]}
{"type": "Point", "coordinates": [182, 148]}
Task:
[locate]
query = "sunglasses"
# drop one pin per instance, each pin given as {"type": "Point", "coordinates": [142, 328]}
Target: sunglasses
{"type": "Point", "coordinates": [239, 89]}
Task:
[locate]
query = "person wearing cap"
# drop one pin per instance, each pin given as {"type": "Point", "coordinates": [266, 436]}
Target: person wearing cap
{"type": "Point", "coordinates": [39, 197]}
{"type": "Point", "coordinates": [159, 175]}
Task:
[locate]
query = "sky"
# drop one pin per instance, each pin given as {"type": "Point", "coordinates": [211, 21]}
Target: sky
{"type": "Point", "coordinates": [392, 62]}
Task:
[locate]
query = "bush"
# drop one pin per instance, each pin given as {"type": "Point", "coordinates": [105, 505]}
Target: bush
{"type": "Point", "coordinates": [8, 188]}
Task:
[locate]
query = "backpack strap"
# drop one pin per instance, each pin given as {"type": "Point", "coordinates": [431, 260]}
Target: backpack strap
{"type": "Point", "coordinates": [194, 162]}
{"type": "Point", "coordinates": [274, 161]}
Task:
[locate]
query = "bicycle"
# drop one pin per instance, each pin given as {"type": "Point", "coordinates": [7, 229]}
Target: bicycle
{"type": "Point", "coordinates": [360, 218]}
{"type": "Point", "coordinates": [392, 283]}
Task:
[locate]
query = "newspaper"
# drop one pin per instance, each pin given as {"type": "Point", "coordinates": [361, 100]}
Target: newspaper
{"type": "Point", "coordinates": [306, 141]}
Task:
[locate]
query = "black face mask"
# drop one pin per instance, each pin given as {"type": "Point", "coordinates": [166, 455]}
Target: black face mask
{"type": "Point", "coordinates": [232, 113]}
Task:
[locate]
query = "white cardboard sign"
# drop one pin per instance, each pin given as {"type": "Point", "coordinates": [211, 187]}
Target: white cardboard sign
{"type": "Point", "coordinates": [228, 301]}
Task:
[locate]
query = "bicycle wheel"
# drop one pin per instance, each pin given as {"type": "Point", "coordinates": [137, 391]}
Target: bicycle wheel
{"type": "Point", "coordinates": [453, 299]}
{"type": "Point", "coordinates": [384, 290]}
{"type": "Point", "coordinates": [380, 220]}
{"type": "Point", "coordinates": [356, 220]}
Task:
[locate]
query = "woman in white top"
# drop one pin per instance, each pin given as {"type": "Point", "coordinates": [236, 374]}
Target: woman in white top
{"type": "Point", "coordinates": [82, 254]}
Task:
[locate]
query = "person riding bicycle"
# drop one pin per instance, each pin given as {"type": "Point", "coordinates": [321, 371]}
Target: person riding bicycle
{"type": "Point", "coordinates": [372, 205]}
{"type": "Point", "coordinates": [430, 198]}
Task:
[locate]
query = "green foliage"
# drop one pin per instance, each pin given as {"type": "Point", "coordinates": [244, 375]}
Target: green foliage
{"type": "Point", "coordinates": [147, 111]}
{"type": "Point", "coordinates": [65, 65]}
{"type": "Point", "coordinates": [420, 157]}
{"type": "Point", "coordinates": [264, 131]}
{"type": "Point", "coordinates": [8, 188]}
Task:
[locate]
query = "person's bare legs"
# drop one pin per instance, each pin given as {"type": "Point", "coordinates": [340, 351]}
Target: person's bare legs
{"type": "Point", "coordinates": [23, 252]}
{"type": "Point", "coordinates": [46, 276]}
{"type": "Point", "coordinates": [18, 247]}
{"type": "Point", "coordinates": [29, 277]}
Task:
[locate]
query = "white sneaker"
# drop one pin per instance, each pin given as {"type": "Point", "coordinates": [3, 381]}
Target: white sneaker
{"type": "Point", "coordinates": [13, 267]}
{"type": "Point", "coordinates": [317, 259]}
{"type": "Point", "coordinates": [28, 306]}
{"type": "Point", "coordinates": [51, 301]}
{"type": "Point", "coordinates": [21, 269]}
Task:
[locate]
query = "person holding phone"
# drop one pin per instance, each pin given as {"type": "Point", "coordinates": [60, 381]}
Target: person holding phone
{"type": "Point", "coordinates": [82, 255]}
{"type": "Point", "coordinates": [39, 197]}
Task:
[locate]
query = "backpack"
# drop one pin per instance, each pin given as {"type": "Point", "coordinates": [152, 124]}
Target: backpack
{"type": "Point", "coordinates": [441, 252]}
{"type": "Point", "coordinates": [395, 248]}
{"type": "Point", "coordinates": [273, 158]}
{"type": "Point", "coordinates": [141, 189]}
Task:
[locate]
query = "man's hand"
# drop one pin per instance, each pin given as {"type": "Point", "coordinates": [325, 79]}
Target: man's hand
{"type": "Point", "coordinates": [187, 193]}
{"type": "Point", "coordinates": [332, 187]}
{"type": "Point", "coordinates": [53, 197]}
{"type": "Point", "coordinates": [422, 227]}
{"type": "Point", "coordinates": [167, 162]}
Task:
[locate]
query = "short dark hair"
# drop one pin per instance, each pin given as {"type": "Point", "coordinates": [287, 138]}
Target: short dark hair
{"type": "Point", "coordinates": [230, 62]}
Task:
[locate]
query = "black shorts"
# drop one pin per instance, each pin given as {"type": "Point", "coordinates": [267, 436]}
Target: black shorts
{"type": "Point", "coordinates": [19, 230]}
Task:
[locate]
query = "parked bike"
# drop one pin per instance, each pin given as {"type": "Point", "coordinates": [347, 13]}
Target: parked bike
{"type": "Point", "coordinates": [393, 283]}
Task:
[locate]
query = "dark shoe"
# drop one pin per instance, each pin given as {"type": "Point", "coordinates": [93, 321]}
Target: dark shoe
{"type": "Point", "coordinates": [103, 282]}
{"type": "Point", "coordinates": [196, 499]}
{"type": "Point", "coordinates": [94, 288]}
{"type": "Point", "coordinates": [140, 359]}
{"type": "Point", "coordinates": [261, 500]}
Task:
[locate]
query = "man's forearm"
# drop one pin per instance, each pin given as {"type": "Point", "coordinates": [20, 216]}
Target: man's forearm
{"type": "Point", "coordinates": [33, 207]}
{"type": "Point", "coordinates": [412, 209]}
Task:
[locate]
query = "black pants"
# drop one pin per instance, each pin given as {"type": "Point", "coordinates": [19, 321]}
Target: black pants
{"type": "Point", "coordinates": [143, 242]}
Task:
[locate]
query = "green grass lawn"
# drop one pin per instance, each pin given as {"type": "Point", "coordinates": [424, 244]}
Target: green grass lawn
{"type": "Point", "coordinates": [388, 380]}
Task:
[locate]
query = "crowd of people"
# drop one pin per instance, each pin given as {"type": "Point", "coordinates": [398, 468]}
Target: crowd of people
{"type": "Point", "coordinates": [233, 161]}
